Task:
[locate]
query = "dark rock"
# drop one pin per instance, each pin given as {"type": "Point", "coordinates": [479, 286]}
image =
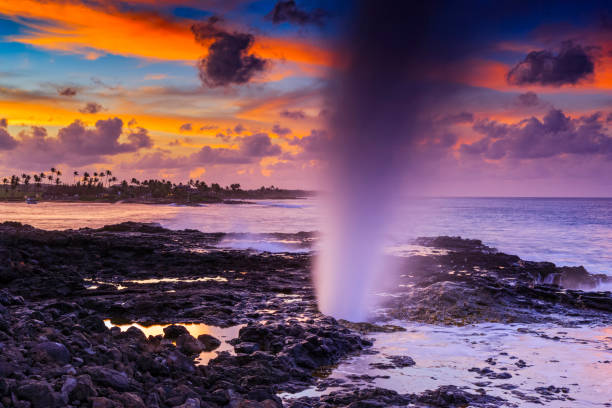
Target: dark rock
{"type": "Point", "coordinates": [39, 394]}
{"type": "Point", "coordinates": [109, 378]}
{"type": "Point", "coordinates": [209, 342]}
{"type": "Point", "coordinates": [52, 351]}
{"type": "Point", "coordinates": [79, 389]}
{"type": "Point", "coordinates": [174, 331]}
{"type": "Point", "coordinates": [188, 344]}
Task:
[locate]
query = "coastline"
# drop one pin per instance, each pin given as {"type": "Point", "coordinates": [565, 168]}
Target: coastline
{"type": "Point", "coordinates": [61, 290]}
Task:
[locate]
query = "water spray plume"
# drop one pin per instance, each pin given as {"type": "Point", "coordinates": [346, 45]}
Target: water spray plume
{"type": "Point", "coordinates": [382, 104]}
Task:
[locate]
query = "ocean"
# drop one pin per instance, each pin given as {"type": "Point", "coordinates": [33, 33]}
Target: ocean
{"type": "Point", "coordinates": [566, 231]}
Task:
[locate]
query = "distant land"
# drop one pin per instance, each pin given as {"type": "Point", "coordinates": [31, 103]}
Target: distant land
{"type": "Point", "coordinates": [104, 187]}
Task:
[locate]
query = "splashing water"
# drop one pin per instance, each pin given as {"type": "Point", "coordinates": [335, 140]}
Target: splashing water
{"type": "Point", "coordinates": [398, 57]}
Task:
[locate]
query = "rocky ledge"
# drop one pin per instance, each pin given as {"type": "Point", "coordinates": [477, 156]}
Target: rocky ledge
{"type": "Point", "coordinates": [57, 288]}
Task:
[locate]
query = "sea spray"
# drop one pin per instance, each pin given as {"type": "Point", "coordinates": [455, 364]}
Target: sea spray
{"type": "Point", "coordinates": [397, 65]}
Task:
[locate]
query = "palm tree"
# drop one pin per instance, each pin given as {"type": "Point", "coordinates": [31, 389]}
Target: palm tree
{"type": "Point", "coordinates": [108, 173]}
{"type": "Point", "coordinates": [74, 175]}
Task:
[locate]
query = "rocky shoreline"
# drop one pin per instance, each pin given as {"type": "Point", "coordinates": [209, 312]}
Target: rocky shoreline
{"type": "Point", "coordinates": [61, 290]}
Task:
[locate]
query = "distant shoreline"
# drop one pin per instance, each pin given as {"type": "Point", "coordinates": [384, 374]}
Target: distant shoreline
{"type": "Point", "coordinates": [161, 201]}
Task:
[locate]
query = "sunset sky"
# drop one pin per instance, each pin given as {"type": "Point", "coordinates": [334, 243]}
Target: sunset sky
{"type": "Point", "coordinates": [235, 91]}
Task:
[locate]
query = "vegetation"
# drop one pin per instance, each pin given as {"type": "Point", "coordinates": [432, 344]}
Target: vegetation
{"type": "Point", "coordinates": [104, 186]}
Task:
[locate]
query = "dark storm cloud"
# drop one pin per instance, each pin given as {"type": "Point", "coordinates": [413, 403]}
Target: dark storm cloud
{"type": "Point", "coordinates": [528, 99]}
{"type": "Point", "coordinates": [92, 108]}
{"type": "Point", "coordinates": [186, 127]}
{"type": "Point", "coordinates": [228, 61]}
{"type": "Point", "coordinates": [288, 11]}
{"type": "Point", "coordinates": [281, 131]}
{"type": "Point", "coordinates": [573, 63]}
{"type": "Point", "coordinates": [555, 135]}
{"type": "Point", "coordinates": [67, 91]}
{"type": "Point", "coordinates": [297, 114]}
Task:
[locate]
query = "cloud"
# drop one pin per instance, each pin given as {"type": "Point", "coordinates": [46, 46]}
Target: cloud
{"type": "Point", "coordinates": [573, 64]}
{"type": "Point", "coordinates": [177, 142]}
{"type": "Point", "coordinates": [250, 150]}
{"type": "Point", "coordinates": [77, 144]}
{"type": "Point", "coordinates": [555, 135]}
{"type": "Point", "coordinates": [528, 99]}
{"type": "Point", "coordinates": [92, 108]}
{"type": "Point", "coordinates": [67, 91]}
{"type": "Point", "coordinates": [281, 131]}
{"type": "Point", "coordinates": [314, 146]}
{"type": "Point", "coordinates": [228, 61]}
{"type": "Point", "coordinates": [462, 117]}
{"type": "Point", "coordinates": [239, 128]}
{"type": "Point", "coordinates": [223, 136]}
{"type": "Point", "coordinates": [186, 127]}
{"type": "Point", "coordinates": [7, 142]}
{"type": "Point", "coordinates": [209, 127]}
{"type": "Point", "coordinates": [297, 114]}
{"type": "Point", "coordinates": [288, 11]}
{"type": "Point", "coordinates": [258, 145]}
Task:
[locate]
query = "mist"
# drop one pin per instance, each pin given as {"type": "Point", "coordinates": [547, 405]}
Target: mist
{"type": "Point", "coordinates": [397, 56]}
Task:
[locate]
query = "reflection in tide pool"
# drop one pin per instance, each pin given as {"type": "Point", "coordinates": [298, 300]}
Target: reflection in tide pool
{"type": "Point", "coordinates": [579, 359]}
{"type": "Point", "coordinates": [195, 329]}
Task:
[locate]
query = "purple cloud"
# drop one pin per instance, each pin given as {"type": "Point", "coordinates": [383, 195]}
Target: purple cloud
{"type": "Point", "coordinates": [574, 63]}
{"type": "Point", "coordinates": [186, 127]}
{"type": "Point", "coordinates": [239, 128]}
{"type": "Point", "coordinates": [92, 108]}
{"type": "Point", "coordinates": [555, 135]}
{"type": "Point", "coordinates": [7, 142]}
{"type": "Point", "coordinates": [297, 114]}
{"type": "Point", "coordinates": [67, 91]}
{"type": "Point", "coordinates": [528, 99]}
{"type": "Point", "coordinates": [281, 131]}
{"type": "Point", "coordinates": [76, 144]}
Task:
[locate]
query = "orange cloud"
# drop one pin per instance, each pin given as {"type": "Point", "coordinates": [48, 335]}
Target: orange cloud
{"type": "Point", "coordinates": [74, 27]}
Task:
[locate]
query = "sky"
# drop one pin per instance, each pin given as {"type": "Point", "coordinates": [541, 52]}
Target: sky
{"type": "Point", "coordinates": [240, 91]}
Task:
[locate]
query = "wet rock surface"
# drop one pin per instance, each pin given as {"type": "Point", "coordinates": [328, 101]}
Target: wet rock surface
{"type": "Point", "coordinates": [57, 287]}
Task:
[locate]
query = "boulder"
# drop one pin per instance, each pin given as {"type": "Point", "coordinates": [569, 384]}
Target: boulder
{"type": "Point", "coordinates": [188, 344]}
{"type": "Point", "coordinates": [109, 378]}
{"type": "Point", "coordinates": [78, 389]}
{"type": "Point", "coordinates": [174, 331]}
{"type": "Point", "coordinates": [209, 342]}
{"type": "Point", "coordinates": [52, 351]}
{"type": "Point", "coordinates": [131, 400]}
{"type": "Point", "coordinates": [39, 394]}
